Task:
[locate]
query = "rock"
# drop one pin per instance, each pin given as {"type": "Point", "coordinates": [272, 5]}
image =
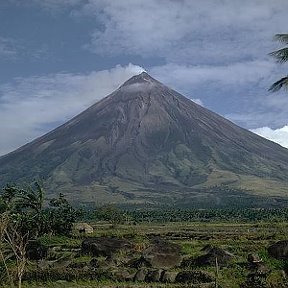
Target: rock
{"type": "Point", "coordinates": [43, 264]}
{"type": "Point", "coordinates": [254, 258]}
{"type": "Point", "coordinates": [169, 277]}
{"type": "Point", "coordinates": [257, 277]}
{"type": "Point", "coordinates": [141, 275]}
{"type": "Point", "coordinates": [163, 255]}
{"type": "Point", "coordinates": [262, 269]}
{"type": "Point", "coordinates": [154, 275]}
{"type": "Point", "coordinates": [36, 251]}
{"type": "Point", "coordinates": [82, 228]}
{"type": "Point", "coordinates": [279, 250]}
{"type": "Point", "coordinates": [104, 246]}
{"type": "Point", "coordinates": [55, 264]}
{"type": "Point", "coordinates": [124, 275]}
{"type": "Point", "coordinates": [223, 257]}
{"type": "Point", "coordinates": [255, 280]}
{"type": "Point", "coordinates": [257, 267]}
{"type": "Point", "coordinates": [139, 263]}
{"type": "Point", "coordinates": [125, 259]}
{"type": "Point", "coordinates": [62, 263]}
{"type": "Point", "coordinates": [194, 277]}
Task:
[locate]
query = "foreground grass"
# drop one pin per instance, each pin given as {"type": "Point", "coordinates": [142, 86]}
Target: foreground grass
{"type": "Point", "coordinates": [97, 284]}
{"type": "Point", "coordinates": [238, 238]}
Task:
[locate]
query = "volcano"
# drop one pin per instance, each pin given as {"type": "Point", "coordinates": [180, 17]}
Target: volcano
{"type": "Point", "coordinates": [147, 144]}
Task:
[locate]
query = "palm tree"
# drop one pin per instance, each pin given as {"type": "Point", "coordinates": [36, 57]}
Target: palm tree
{"type": "Point", "coordinates": [32, 197]}
{"type": "Point", "coordinates": [282, 56]}
{"type": "Point", "coordinates": [18, 199]}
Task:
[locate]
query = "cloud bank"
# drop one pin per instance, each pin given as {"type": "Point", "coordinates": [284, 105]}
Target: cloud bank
{"type": "Point", "coordinates": [186, 31]}
{"type": "Point", "coordinates": [279, 136]}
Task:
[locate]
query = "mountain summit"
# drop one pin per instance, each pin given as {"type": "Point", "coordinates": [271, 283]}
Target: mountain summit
{"type": "Point", "coordinates": [146, 143]}
{"type": "Point", "coordinates": [141, 78]}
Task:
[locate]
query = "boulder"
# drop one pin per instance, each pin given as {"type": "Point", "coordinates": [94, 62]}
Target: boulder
{"type": "Point", "coordinates": [223, 257]}
{"type": "Point", "coordinates": [162, 255]}
{"type": "Point", "coordinates": [261, 269]}
{"type": "Point", "coordinates": [139, 263]}
{"type": "Point", "coordinates": [254, 258]}
{"type": "Point", "coordinates": [58, 264]}
{"type": "Point", "coordinates": [104, 246]}
{"type": "Point", "coordinates": [194, 277]}
{"type": "Point", "coordinates": [256, 279]}
{"type": "Point", "coordinates": [141, 275]}
{"type": "Point", "coordinates": [43, 264]}
{"type": "Point", "coordinates": [258, 273]}
{"type": "Point", "coordinates": [154, 275]}
{"type": "Point", "coordinates": [124, 275]}
{"type": "Point", "coordinates": [279, 250]}
{"type": "Point", "coordinates": [169, 276]}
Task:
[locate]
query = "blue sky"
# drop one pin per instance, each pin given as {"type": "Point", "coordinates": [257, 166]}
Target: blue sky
{"type": "Point", "coordinates": [57, 57]}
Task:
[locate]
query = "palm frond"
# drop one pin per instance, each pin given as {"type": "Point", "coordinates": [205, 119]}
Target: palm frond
{"type": "Point", "coordinates": [40, 194]}
{"type": "Point", "coordinates": [281, 55]}
{"type": "Point", "coordinates": [281, 38]}
{"type": "Point", "coordinates": [279, 84]}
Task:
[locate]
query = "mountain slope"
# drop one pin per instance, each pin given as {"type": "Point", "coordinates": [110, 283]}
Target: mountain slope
{"type": "Point", "coordinates": [147, 143]}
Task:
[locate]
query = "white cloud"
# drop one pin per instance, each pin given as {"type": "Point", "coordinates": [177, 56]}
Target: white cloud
{"type": "Point", "coordinates": [186, 31]}
{"type": "Point", "coordinates": [279, 135]}
{"type": "Point", "coordinates": [32, 106]}
{"type": "Point", "coordinates": [233, 74]}
{"type": "Point", "coordinates": [190, 32]}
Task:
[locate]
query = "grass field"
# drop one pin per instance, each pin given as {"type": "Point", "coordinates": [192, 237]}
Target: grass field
{"type": "Point", "coordinates": [240, 239]}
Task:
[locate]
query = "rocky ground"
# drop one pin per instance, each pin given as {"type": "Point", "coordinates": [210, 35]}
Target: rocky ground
{"type": "Point", "coordinates": [163, 255]}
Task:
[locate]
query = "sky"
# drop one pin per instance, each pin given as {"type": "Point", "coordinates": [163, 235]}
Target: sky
{"type": "Point", "coordinates": [58, 57]}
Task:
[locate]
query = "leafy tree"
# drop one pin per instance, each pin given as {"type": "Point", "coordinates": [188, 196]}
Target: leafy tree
{"type": "Point", "coordinates": [17, 199]}
{"type": "Point", "coordinates": [33, 197]}
{"type": "Point", "coordinates": [282, 56]}
{"type": "Point", "coordinates": [25, 207]}
{"type": "Point", "coordinates": [23, 218]}
{"type": "Point", "coordinates": [111, 214]}
{"type": "Point", "coordinates": [61, 215]}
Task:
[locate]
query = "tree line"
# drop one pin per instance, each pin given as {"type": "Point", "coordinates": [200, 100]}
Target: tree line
{"type": "Point", "coordinates": [116, 215]}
